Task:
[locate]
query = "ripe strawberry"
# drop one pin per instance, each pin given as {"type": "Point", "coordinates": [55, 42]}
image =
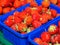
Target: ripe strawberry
{"type": "Point", "coordinates": [6, 10]}
{"type": "Point", "coordinates": [16, 14]}
{"type": "Point", "coordinates": [23, 2]}
{"type": "Point", "coordinates": [13, 27]}
{"type": "Point", "coordinates": [39, 8]}
{"type": "Point", "coordinates": [17, 20]}
{"type": "Point", "coordinates": [34, 11]}
{"type": "Point", "coordinates": [43, 19]}
{"type": "Point", "coordinates": [22, 15]}
{"type": "Point", "coordinates": [11, 17]}
{"type": "Point", "coordinates": [45, 3]}
{"type": "Point", "coordinates": [36, 23]}
{"type": "Point", "coordinates": [36, 16]}
{"type": "Point", "coordinates": [59, 23]}
{"type": "Point", "coordinates": [53, 13]}
{"type": "Point", "coordinates": [44, 9]}
{"type": "Point", "coordinates": [29, 1]}
{"type": "Point", "coordinates": [53, 29]}
{"type": "Point", "coordinates": [58, 1]}
{"type": "Point", "coordinates": [17, 4]}
{"type": "Point", "coordinates": [5, 3]}
{"type": "Point", "coordinates": [55, 39]}
{"type": "Point", "coordinates": [45, 36]}
{"type": "Point", "coordinates": [12, 1]}
{"type": "Point", "coordinates": [33, 4]}
{"type": "Point", "coordinates": [32, 28]}
{"type": "Point", "coordinates": [9, 22]}
{"type": "Point", "coordinates": [28, 20]}
{"type": "Point", "coordinates": [12, 8]}
{"type": "Point", "coordinates": [28, 10]}
{"type": "Point", "coordinates": [38, 41]}
{"type": "Point", "coordinates": [22, 27]}
{"type": "Point", "coordinates": [1, 9]}
{"type": "Point", "coordinates": [45, 43]}
{"type": "Point", "coordinates": [58, 4]}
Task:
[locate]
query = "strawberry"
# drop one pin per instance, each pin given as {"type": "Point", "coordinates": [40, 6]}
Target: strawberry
{"type": "Point", "coordinates": [17, 4]}
{"type": "Point", "coordinates": [28, 20]}
{"type": "Point", "coordinates": [1, 10]}
{"type": "Point", "coordinates": [17, 20]}
{"type": "Point", "coordinates": [58, 1]}
{"type": "Point", "coordinates": [36, 23]}
{"type": "Point", "coordinates": [58, 4]}
{"type": "Point", "coordinates": [22, 27]}
{"type": "Point", "coordinates": [33, 4]}
{"type": "Point", "coordinates": [43, 19]}
{"type": "Point", "coordinates": [53, 13]}
{"type": "Point", "coordinates": [45, 3]}
{"type": "Point", "coordinates": [38, 41]}
{"type": "Point", "coordinates": [9, 22]}
{"type": "Point", "coordinates": [6, 10]}
{"type": "Point", "coordinates": [36, 16]}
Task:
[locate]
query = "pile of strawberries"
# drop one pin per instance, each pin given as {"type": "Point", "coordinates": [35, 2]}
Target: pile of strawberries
{"type": "Point", "coordinates": [8, 5]}
{"type": "Point", "coordinates": [52, 37]}
{"type": "Point", "coordinates": [55, 2]}
{"type": "Point", "coordinates": [31, 18]}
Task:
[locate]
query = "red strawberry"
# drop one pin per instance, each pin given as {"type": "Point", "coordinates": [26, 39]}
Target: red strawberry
{"type": "Point", "coordinates": [22, 15]}
{"type": "Point", "coordinates": [16, 14]}
{"type": "Point", "coordinates": [22, 27]}
{"type": "Point", "coordinates": [45, 3]}
{"type": "Point", "coordinates": [28, 20]}
{"type": "Point", "coordinates": [58, 1]}
{"type": "Point", "coordinates": [39, 8]}
{"type": "Point", "coordinates": [59, 23]}
{"type": "Point", "coordinates": [36, 16]}
{"type": "Point", "coordinates": [45, 36]}
{"type": "Point", "coordinates": [58, 4]}
{"type": "Point", "coordinates": [53, 29]}
{"type": "Point", "coordinates": [4, 3]}
{"type": "Point", "coordinates": [43, 19]}
{"type": "Point", "coordinates": [38, 41]}
{"type": "Point", "coordinates": [53, 13]}
{"type": "Point", "coordinates": [17, 4]}
{"type": "Point", "coordinates": [17, 20]}
{"type": "Point", "coordinates": [33, 4]}
{"type": "Point", "coordinates": [28, 10]}
{"type": "Point", "coordinates": [13, 27]}
{"type": "Point", "coordinates": [36, 23]}
{"type": "Point", "coordinates": [9, 22]}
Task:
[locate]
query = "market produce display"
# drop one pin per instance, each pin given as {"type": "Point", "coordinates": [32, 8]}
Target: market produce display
{"type": "Point", "coordinates": [31, 22]}
{"type": "Point", "coordinates": [50, 37]}
{"type": "Point", "coordinates": [31, 18]}
{"type": "Point", "coordinates": [9, 5]}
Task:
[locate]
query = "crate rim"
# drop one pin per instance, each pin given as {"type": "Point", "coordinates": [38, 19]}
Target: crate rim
{"type": "Point", "coordinates": [29, 38]}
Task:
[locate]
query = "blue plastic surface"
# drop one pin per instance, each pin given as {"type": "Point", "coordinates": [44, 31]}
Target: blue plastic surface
{"type": "Point", "coordinates": [13, 36]}
{"type": "Point", "coordinates": [42, 29]}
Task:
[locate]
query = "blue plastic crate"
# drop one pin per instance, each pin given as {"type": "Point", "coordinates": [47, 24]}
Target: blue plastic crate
{"type": "Point", "coordinates": [13, 36]}
{"type": "Point", "coordinates": [37, 33]}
